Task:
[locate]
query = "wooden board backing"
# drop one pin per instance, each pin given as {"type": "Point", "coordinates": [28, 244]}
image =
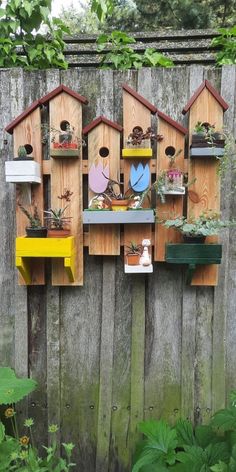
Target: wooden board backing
{"type": "Point", "coordinates": [207, 185]}
{"type": "Point", "coordinates": [134, 114]}
{"type": "Point", "coordinates": [173, 205]}
{"type": "Point", "coordinates": [28, 131]}
{"type": "Point", "coordinates": [67, 174]}
{"type": "Point", "coordinates": [104, 240]}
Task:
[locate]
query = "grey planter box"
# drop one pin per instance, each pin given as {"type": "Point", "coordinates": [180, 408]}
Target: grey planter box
{"type": "Point", "coordinates": [111, 217]}
{"type": "Point", "coordinates": [207, 152]}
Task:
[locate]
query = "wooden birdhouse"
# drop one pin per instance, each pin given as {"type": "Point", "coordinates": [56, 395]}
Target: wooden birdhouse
{"type": "Point", "coordinates": [24, 170]}
{"type": "Point", "coordinates": [103, 164]}
{"type": "Point", "coordinates": [206, 107]}
{"type": "Point", "coordinates": [170, 171]}
{"type": "Point", "coordinates": [65, 116]}
{"type": "Point", "coordinates": [137, 113]}
{"type": "Point", "coordinates": [25, 166]}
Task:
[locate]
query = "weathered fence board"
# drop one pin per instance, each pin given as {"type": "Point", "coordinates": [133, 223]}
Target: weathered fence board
{"type": "Point", "coordinates": [120, 348]}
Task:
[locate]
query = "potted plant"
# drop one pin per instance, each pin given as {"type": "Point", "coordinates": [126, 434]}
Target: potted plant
{"type": "Point", "coordinates": [195, 230]}
{"type": "Point", "coordinates": [22, 155]}
{"type": "Point", "coordinates": [207, 141]}
{"type": "Point", "coordinates": [100, 202]}
{"type": "Point", "coordinates": [133, 253]}
{"type": "Point", "coordinates": [57, 222]}
{"type": "Point", "coordinates": [64, 141]}
{"type": "Point", "coordinates": [119, 200]}
{"type": "Point", "coordinates": [35, 229]}
{"type": "Point", "coordinates": [139, 138]}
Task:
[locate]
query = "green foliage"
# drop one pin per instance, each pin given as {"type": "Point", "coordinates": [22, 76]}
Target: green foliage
{"type": "Point", "coordinates": [102, 8]}
{"type": "Point", "coordinates": [207, 224]}
{"type": "Point", "coordinates": [13, 389]}
{"type": "Point", "coordinates": [122, 56]}
{"type": "Point", "coordinates": [34, 218]}
{"type": "Point", "coordinates": [183, 448]}
{"type": "Point", "coordinates": [56, 217]}
{"type": "Point", "coordinates": [22, 43]}
{"type": "Point", "coordinates": [226, 41]}
{"type": "Point", "coordinates": [18, 453]}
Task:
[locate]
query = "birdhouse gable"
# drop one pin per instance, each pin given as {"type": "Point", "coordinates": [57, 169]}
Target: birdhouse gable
{"type": "Point", "coordinates": [171, 122]}
{"type": "Point", "coordinates": [140, 99]}
{"type": "Point", "coordinates": [101, 119]}
{"type": "Point", "coordinates": [62, 88]}
{"type": "Point", "coordinates": [9, 128]}
{"type": "Point", "coordinates": [211, 89]}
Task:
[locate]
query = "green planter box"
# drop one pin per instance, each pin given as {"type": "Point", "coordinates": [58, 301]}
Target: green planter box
{"type": "Point", "coordinates": [192, 255]}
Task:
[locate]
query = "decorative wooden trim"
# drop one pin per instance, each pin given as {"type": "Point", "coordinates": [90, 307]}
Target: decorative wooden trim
{"type": "Point", "coordinates": [102, 119]}
{"type": "Point", "coordinates": [211, 89]}
{"type": "Point", "coordinates": [141, 99]}
{"type": "Point", "coordinates": [137, 153]}
{"type": "Point", "coordinates": [172, 122]}
{"type": "Point", "coordinates": [85, 170]}
{"type": "Point", "coordinates": [108, 217]}
{"type": "Point", "coordinates": [62, 88]}
{"type": "Point", "coordinates": [9, 128]}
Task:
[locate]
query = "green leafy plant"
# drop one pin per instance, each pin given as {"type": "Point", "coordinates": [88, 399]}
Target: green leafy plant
{"type": "Point", "coordinates": [13, 389]}
{"type": "Point", "coordinates": [34, 218]}
{"type": "Point", "coordinates": [22, 42]}
{"type": "Point", "coordinates": [182, 448]}
{"type": "Point", "coordinates": [207, 224]}
{"type": "Point", "coordinates": [22, 153]}
{"type": "Point", "coordinates": [226, 41]}
{"type": "Point", "coordinates": [122, 56]}
{"type": "Point", "coordinates": [56, 217]}
{"type": "Point", "coordinates": [133, 248]}
{"type": "Point", "coordinates": [18, 453]}
{"type": "Point", "coordinates": [102, 8]}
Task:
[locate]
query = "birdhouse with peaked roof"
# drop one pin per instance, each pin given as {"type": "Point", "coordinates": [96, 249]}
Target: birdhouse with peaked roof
{"type": "Point", "coordinates": [103, 164]}
{"type": "Point", "coordinates": [137, 114]}
{"type": "Point", "coordinates": [25, 167]}
{"type": "Point", "coordinates": [65, 113]}
{"type": "Point", "coordinates": [65, 116]}
{"type": "Point", "coordinates": [206, 106]}
{"type": "Point", "coordinates": [169, 177]}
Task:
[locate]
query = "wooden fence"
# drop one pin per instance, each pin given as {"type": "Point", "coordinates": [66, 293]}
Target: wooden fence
{"type": "Point", "coordinates": [122, 347]}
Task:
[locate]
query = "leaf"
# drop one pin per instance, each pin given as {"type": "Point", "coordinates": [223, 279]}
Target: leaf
{"type": "Point", "coordinates": [220, 467]}
{"type": "Point", "coordinates": [225, 419]}
{"type": "Point", "coordinates": [2, 431]}
{"type": "Point", "coordinates": [13, 389]}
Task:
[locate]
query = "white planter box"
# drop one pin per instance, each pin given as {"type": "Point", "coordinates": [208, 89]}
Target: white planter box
{"type": "Point", "coordinates": [138, 269]}
{"type": "Point", "coordinates": [23, 171]}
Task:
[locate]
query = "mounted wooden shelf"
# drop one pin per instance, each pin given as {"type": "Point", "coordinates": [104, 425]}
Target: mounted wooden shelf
{"type": "Point", "coordinates": [193, 255]}
{"type": "Point", "coordinates": [64, 153]}
{"type": "Point", "coordinates": [138, 269]}
{"type": "Point", "coordinates": [23, 171]}
{"type": "Point", "coordinates": [27, 248]}
{"type": "Point", "coordinates": [206, 152]}
{"type": "Point", "coordinates": [139, 153]}
{"type": "Point", "coordinates": [119, 217]}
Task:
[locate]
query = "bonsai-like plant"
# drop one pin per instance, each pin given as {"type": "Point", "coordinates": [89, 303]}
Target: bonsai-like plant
{"type": "Point", "coordinates": [138, 135]}
{"type": "Point", "coordinates": [56, 217]}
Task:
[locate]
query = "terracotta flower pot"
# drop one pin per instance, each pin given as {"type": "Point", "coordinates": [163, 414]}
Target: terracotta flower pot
{"type": "Point", "coordinates": [119, 205]}
{"type": "Point", "coordinates": [58, 233]}
{"type": "Point", "coordinates": [133, 259]}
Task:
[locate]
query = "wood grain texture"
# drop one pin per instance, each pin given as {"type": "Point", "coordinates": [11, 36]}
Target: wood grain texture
{"type": "Point", "coordinates": [134, 114]}
{"type": "Point", "coordinates": [173, 205]}
{"type": "Point", "coordinates": [104, 240]}
{"type": "Point", "coordinates": [207, 185]}
{"type": "Point", "coordinates": [190, 344]}
{"type": "Point", "coordinates": [106, 366]}
{"type": "Point", "coordinates": [67, 174]}
{"type": "Point", "coordinates": [28, 131]}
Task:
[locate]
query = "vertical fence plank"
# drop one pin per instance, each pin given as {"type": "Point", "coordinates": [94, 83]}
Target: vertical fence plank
{"type": "Point", "coordinates": [137, 357]}
{"type": "Point", "coordinates": [106, 364]}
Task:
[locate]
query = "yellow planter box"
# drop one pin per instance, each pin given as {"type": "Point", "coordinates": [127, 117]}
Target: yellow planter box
{"type": "Point", "coordinates": [45, 247]}
{"type": "Point", "coordinates": [137, 152]}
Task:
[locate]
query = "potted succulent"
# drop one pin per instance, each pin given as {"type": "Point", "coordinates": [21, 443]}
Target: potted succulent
{"type": "Point", "coordinates": [195, 230]}
{"type": "Point", "coordinates": [207, 141]}
{"type": "Point", "coordinates": [35, 228]}
{"type": "Point", "coordinates": [64, 141]}
{"type": "Point", "coordinates": [133, 253]}
{"type": "Point", "coordinates": [119, 200]}
{"type": "Point", "coordinates": [139, 138]}
{"type": "Point", "coordinates": [22, 154]}
{"type": "Point", "coordinates": [57, 222]}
